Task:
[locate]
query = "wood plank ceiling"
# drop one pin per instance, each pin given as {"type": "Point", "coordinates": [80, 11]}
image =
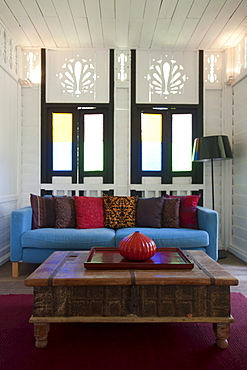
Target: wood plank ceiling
{"type": "Point", "coordinates": [122, 24]}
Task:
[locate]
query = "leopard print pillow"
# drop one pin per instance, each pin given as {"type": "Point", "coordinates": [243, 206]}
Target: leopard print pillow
{"type": "Point", "coordinates": [170, 214]}
{"type": "Point", "coordinates": [119, 211]}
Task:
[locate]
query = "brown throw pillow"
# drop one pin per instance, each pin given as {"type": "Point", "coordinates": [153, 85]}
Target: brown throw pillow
{"type": "Point", "coordinates": [43, 211]}
{"type": "Point", "coordinates": [119, 211]}
{"type": "Point", "coordinates": [170, 213]}
{"type": "Point", "coordinates": [65, 212]}
{"type": "Point", "coordinates": [148, 213]}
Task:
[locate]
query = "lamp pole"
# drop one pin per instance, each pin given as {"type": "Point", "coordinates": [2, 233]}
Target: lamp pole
{"type": "Point", "coordinates": [212, 176]}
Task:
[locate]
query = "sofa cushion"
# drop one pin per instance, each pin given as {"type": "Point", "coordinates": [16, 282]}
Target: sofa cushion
{"type": "Point", "coordinates": [65, 212]}
{"type": "Point", "coordinates": [68, 239]}
{"type": "Point", "coordinates": [119, 211]}
{"type": "Point", "coordinates": [188, 210]}
{"type": "Point", "coordinates": [89, 212]}
{"type": "Point", "coordinates": [43, 211]}
{"type": "Point", "coordinates": [168, 237]}
{"type": "Point", "coordinates": [148, 212]}
{"type": "Point", "coordinates": [170, 213]}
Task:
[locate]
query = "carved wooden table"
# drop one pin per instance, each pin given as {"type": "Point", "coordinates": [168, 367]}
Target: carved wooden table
{"type": "Point", "coordinates": [64, 291]}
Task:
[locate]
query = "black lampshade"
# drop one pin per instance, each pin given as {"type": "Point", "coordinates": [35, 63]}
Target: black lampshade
{"type": "Point", "coordinates": [211, 147]}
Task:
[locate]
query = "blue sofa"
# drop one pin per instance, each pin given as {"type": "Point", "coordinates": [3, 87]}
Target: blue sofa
{"type": "Point", "coordinates": [34, 246]}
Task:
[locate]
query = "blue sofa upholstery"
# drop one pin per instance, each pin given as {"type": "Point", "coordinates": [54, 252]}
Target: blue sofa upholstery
{"type": "Point", "coordinates": [34, 246]}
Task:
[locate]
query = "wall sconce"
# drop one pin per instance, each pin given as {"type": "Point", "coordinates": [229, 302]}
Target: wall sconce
{"type": "Point", "coordinates": [26, 82]}
{"type": "Point", "coordinates": [230, 80]}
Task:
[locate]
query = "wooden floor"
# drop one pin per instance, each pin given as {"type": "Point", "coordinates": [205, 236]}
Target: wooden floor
{"type": "Point", "coordinates": [9, 285]}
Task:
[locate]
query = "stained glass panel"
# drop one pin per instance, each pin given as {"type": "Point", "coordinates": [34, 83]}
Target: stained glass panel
{"type": "Point", "coordinates": [181, 142]}
{"type": "Point", "coordinates": [62, 141]}
{"type": "Point", "coordinates": [93, 142]}
{"type": "Point", "coordinates": [151, 141]}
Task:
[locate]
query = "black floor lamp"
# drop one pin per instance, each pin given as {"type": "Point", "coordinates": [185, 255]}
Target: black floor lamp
{"type": "Point", "coordinates": [210, 148]}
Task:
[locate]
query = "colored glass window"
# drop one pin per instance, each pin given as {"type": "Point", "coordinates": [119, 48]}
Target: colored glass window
{"type": "Point", "coordinates": [181, 142]}
{"type": "Point", "coordinates": [151, 141]}
{"type": "Point", "coordinates": [62, 141]}
{"type": "Point", "coordinates": [93, 142]}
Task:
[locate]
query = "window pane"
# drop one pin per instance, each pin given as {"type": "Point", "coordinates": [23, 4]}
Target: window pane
{"type": "Point", "coordinates": [62, 141]}
{"type": "Point", "coordinates": [93, 142]}
{"type": "Point", "coordinates": [181, 142]}
{"type": "Point", "coordinates": [151, 141]}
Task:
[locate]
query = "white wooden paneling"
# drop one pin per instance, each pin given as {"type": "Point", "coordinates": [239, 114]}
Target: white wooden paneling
{"type": "Point", "coordinates": [94, 21]}
{"type": "Point", "coordinates": [177, 22]}
{"type": "Point", "coordinates": [122, 23]}
{"type": "Point", "coordinates": [30, 144]}
{"type": "Point", "coordinates": [239, 209]}
{"type": "Point", "coordinates": [67, 22]}
{"type": "Point", "coordinates": [9, 154]}
{"type": "Point", "coordinates": [149, 23]}
{"type": "Point", "coordinates": [213, 126]}
{"type": "Point", "coordinates": [188, 24]}
{"type": "Point", "coordinates": [234, 12]}
{"type": "Point", "coordinates": [38, 20]}
{"type": "Point", "coordinates": [205, 22]}
{"type": "Point", "coordinates": [226, 11]}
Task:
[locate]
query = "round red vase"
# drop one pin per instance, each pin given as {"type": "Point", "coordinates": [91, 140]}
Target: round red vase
{"type": "Point", "coordinates": [137, 247]}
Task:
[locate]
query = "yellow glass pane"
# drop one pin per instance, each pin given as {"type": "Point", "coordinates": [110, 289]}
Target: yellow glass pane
{"type": "Point", "coordinates": [61, 127]}
{"type": "Point", "coordinates": [151, 127]}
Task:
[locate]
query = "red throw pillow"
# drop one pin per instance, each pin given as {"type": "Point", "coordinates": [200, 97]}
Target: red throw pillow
{"type": "Point", "coordinates": [187, 210]}
{"type": "Point", "coordinates": [89, 212]}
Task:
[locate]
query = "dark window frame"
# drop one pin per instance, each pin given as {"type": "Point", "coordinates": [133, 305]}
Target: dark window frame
{"type": "Point", "coordinates": [75, 108]}
{"type": "Point", "coordinates": [197, 129]}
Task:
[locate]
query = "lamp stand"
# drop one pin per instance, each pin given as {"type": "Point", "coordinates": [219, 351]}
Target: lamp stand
{"type": "Point", "coordinates": [212, 176]}
{"type": "Point", "coordinates": [221, 253]}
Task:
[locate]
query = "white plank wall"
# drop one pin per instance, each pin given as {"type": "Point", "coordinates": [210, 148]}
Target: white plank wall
{"type": "Point", "coordinates": [9, 157]}
{"type": "Point", "coordinates": [30, 144]}
{"type": "Point", "coordinates": [213, 126]}
{"type": "Point", "coordinates": [239, 209]}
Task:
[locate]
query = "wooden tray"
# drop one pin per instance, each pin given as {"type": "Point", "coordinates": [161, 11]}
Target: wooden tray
{"type": "Point", "coordinates": [110, 259]}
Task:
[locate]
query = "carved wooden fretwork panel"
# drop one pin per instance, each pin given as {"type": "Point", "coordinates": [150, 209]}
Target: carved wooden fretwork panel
{"type": "Point", "coordinates": [213, 68]}
{"type": "Point", "coordinates": [31, 66]}
{"type": "Point", "coordinates": [9, 56]}
{"type": "Point", "coordinates": [77, 76]}
{"type": "Point", "coordinates": [122, 68]}
{"type": "Point", "coordinates": [167, 77]}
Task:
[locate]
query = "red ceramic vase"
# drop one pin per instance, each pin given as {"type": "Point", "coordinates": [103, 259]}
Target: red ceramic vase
{"type": "Point", "coordinates": [137, 247]}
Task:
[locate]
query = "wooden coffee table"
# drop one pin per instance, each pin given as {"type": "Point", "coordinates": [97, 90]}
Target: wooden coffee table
{"type": "Point", "coordinates": [64, 291]}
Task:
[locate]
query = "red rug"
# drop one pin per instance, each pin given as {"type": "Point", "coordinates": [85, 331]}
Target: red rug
{"type": "Point", "coordinates": [118, 346]}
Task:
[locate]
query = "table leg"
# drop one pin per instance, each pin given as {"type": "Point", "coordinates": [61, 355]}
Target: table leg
{"type": "Point", "coordinates": [222, 332]}
{"type": "Point", "coordinates": [40, 332]}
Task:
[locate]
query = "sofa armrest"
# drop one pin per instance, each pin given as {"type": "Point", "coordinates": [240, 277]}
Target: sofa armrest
{"type": "Point", "coordinates": [21, 221]}
{"type": "Point", "coordinates": [208, 221]}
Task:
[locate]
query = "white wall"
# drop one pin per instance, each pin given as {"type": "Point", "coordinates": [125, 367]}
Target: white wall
{"type": "Point", "coordinates": [9, 156]}
{"type": "Point", "coordinates": [30, 144]}
{"type": "Point", "coordinates": [239, 201]}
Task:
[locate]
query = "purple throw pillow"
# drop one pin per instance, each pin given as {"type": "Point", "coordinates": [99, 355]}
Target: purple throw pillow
{"type": "Point", "coordinates": [148, 212]}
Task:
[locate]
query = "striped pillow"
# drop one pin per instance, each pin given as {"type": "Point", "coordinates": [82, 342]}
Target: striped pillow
{"type": "Point", "coordinates": [43, 211]}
